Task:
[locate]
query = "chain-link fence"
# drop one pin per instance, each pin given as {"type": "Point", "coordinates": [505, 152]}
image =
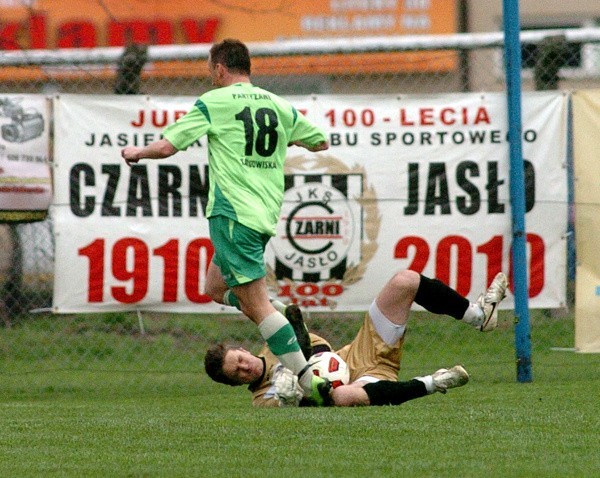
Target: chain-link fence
{"type": "Point", "coordinates": [30, 337]}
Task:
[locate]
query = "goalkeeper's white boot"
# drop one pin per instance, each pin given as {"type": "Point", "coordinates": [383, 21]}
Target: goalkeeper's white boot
{"type": "Point", "coordinates": [489, 301]}
{"type": "Point", "coordinates": [445, 379]}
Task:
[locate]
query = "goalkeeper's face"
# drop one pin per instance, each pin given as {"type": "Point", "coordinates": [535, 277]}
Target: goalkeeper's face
{"type": "Point", "coordinates": [241, 366]}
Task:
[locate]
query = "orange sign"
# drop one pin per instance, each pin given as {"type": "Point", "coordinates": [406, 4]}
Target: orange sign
{"type": "Point", "coordinates": [47, 24]}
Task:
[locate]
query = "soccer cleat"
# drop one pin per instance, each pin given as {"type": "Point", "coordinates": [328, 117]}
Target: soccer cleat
{"type": "Point", "coordinates": [319, 393]}
{"type": "Point", "coordinates": [321, 388]}
{"type": "Point", "coordinates": [294, 316]}
{"type": "Point", "coordinates": [489, 302]}
{"type": "Point", "coordinates": [445, 378]}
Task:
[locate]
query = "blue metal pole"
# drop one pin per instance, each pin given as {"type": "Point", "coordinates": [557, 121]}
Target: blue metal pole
{"type": "Point", "coordinates": [512, 54]}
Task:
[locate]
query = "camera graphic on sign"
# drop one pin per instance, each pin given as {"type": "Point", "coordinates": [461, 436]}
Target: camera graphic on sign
{"type": "Point", "coordinates": [24, 125]}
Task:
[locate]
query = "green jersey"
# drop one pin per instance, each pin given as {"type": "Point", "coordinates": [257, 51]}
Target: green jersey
{"type": "Point", "coordinates": [248, 131]}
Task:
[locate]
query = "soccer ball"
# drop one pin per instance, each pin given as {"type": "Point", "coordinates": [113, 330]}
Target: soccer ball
{"type": "Point", "coordinates": [331, 366]}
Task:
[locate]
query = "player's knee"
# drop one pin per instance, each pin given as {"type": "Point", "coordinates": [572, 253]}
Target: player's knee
{"type": "Point", "coordinates": [214, 292]}
{"type": "Point", "coordinates": [341, 398]}
{"type": "Point", "coordinates": [406, 280]}
{"type": "Point", "coordinates": [214, 295]}
{"type": "Point", "coordinates": [349, 396]}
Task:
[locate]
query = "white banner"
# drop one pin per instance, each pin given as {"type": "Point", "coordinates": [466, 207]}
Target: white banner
{"type": "Point", "coordinates": [418, 182]}
{"type": "Point", "coordinates": [586, 142]}
{"type": "Point", "coordinates": [25, 180]}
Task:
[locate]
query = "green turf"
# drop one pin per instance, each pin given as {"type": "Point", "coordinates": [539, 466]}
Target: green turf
{"type": "Point", "coordinates": [101, 416]}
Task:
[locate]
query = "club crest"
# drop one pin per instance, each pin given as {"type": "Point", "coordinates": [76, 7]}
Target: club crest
{"type": "Point", "coordinates": [326, 233]}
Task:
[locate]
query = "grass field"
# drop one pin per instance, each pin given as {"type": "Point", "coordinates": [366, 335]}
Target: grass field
{"type": "Point", "coordinates": [104, 416]}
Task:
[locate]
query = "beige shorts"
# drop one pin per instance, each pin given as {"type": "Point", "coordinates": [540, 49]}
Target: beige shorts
{"type": "Point", "coordinates": [370, 357]}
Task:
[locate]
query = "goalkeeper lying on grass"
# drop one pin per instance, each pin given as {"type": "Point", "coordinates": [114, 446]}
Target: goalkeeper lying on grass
{"type": "Point", "coordinates": [373, 357]}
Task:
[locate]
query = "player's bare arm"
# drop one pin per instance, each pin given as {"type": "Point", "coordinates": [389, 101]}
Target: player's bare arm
{"type": "Point", "coordinates": [157, 150]}
{"type": "Point", "coordinates": [318, 147]}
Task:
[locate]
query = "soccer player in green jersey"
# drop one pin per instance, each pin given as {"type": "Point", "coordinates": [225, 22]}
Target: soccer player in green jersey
{"type": "Point", "coordinates": [249, 130]}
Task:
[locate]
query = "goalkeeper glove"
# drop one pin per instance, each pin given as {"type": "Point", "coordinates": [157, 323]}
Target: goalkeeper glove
{"type": "Point", "coordinates": [287, 390]}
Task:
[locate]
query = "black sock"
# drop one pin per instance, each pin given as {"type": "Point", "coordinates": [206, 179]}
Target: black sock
{"type": "Point", "coordinates": [437, 297]}
{"type": "Point", "coordinates": [386, 392]}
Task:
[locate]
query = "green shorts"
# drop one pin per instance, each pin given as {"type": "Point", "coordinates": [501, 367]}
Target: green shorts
{"type": "Point", "coordinates": [239, 250]}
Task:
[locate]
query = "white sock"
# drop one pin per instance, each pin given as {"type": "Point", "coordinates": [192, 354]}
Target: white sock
{"type": "Point", "coordinates": [428, 381]}
{"type": "Point", "coordinates": [474, 314]}
{"type": "Point", "coordinates": [279, 306]}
